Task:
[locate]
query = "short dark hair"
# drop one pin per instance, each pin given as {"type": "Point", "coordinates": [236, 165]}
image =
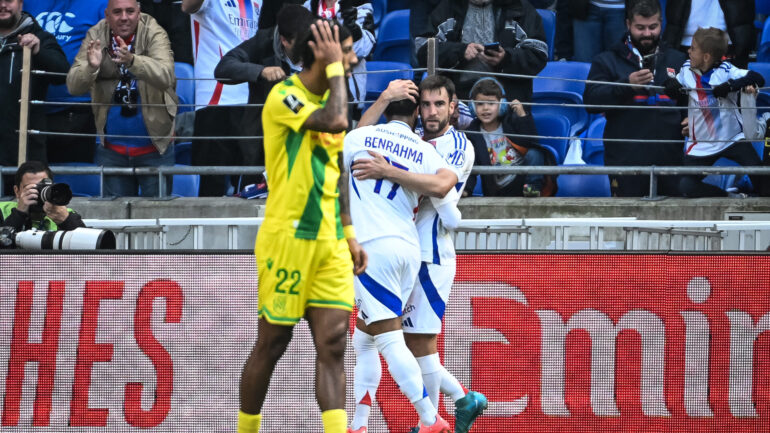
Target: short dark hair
{"type": "Point", "coordinates": [712, 41]}
{"type": "Point", "coordinates": [308, 58]}
{"type": "Point", "coordinates": [31, 167]}
{"type": "Point", "coordinates": [487, 87]}
{"type": "Point", "coordinates": [292, 20]}
{"type": "Point", "coordinates": [644, 8]}
{"type": "Point", "coordinates": [404, 107]}
{"type": "Point", "coordinates": [436, 82]}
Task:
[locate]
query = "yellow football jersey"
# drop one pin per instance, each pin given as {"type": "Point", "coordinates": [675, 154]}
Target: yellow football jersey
{"type": "Point", "coordinates": [301, 165]}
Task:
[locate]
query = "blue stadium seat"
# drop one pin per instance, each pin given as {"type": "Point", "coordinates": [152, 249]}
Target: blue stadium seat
{"type": "Point", "coordinates": [377, 82]}
{"type": "Point", "coordinates": [380, 8]}
{"type": "Point", "coordinates": [553, 125]}
{"type": "Point", "coordinates": [562, 92]}
{"type": "Point", "coordinates": [185, 185]}
{"type": "Point", "coordinates": [763, 51]}
{"type": "Point", "coordinates": [549, 24]}
{"type": "Point", "coordinates": [82, 185]}
{"type": "Point", "coordinates": [185, 89]}
{"type": "Point", "coordinates": [576, 70]}
{"type": "Point", "coordinates": [583, 185]}
{"type": "Point", "coordinates": [393, 41]}
{"type": "Point", "coordinates": [593, 150]}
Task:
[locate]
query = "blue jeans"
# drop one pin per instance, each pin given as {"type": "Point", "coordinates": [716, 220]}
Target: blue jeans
{"type": "Point", "coordinates": [132, 186]}
{"type": "Point", "coordinates": [602, 28]}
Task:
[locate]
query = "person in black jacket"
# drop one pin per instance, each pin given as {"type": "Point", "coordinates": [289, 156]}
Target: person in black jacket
{"type": "Point", "coordinates": [262, 61]}
{"type": "Point", "coordinates": [642, 59]}
{"type": "Point", "coordinates": [494, 119]}
{"type": "Point", "coordinates": [463, 28]}
{"type": "Point", "coordinates": [17, 30]}
{"type": "Point", "coordinates": [684, 17]}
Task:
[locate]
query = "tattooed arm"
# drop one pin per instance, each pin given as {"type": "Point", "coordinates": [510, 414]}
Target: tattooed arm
{"type": "Point", "coordinates": [356, 251]}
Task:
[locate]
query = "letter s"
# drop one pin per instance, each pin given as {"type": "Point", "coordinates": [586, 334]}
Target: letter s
{"type": "Point", "coordinates": [160, 358]}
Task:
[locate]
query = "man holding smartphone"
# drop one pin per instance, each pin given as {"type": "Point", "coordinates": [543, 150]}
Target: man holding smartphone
{"type": "Point", "coordinates": [486, 36]}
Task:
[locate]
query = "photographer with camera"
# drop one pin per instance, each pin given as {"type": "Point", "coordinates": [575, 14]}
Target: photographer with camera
{"type": "Point", "coordinates": [126, 63]}
{"type": "Point", "coordinates": [40, 203]}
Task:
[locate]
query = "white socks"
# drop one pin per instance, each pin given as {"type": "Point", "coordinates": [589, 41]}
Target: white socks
{"type": "Point", "coordinates": [406, 372]}
{"type": "Point", "coordinates": [368, 373]}
{"type": "Point", "coordinates": [431, 375]}
{"type": "Point", "coordinates": [450, 385]}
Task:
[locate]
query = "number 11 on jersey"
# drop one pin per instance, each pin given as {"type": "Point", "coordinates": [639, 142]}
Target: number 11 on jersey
{"type": "Point", "coordinates": [395, 187]}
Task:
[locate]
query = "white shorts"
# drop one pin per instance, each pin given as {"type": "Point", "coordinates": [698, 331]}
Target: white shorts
{"type": "Point", "coordinates": [388, 280]}
{"type": "Point", "coordinates": [425, 307]}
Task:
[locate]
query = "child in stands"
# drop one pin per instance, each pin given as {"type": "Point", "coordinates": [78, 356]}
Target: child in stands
{"type": "Point", "coordinates": [715, 125]}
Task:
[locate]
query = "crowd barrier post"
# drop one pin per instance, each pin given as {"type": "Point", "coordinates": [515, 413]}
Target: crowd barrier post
{"type": "Point", "coordinates": [24, 103]}
{"type": "Point", "coordinates": [431, 57]}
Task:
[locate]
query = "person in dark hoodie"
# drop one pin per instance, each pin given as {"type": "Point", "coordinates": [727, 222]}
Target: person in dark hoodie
{"type": "Point", "coordinates": [263, 60]}
{"type": "Point", "coordinates": [485, 36]}
{"type": "Point", "coordinates": [17, 30]}
{"type": "Point", "coordinates": [641, 58]}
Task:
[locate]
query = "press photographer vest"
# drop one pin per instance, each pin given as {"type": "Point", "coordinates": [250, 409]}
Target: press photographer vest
{"type": "Point", "coordinates": [46, 224]}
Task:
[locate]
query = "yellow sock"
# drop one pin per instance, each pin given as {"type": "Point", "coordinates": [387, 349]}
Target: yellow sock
{"type": "Point", "coordinates": [248, 423]}
{"type": "Point", "coordinates": [335, 421]}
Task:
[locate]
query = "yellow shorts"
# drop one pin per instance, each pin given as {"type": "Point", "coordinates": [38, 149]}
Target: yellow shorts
{"type": "Point", "coordinates": [298, 273]}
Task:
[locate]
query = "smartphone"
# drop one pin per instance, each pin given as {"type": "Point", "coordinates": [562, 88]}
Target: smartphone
{"type": "Point", "coordinates": [494, 46]}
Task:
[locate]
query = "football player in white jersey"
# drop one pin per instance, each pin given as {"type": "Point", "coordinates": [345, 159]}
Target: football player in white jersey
{"type": "Point", "coordinates": [383, 212]}
{"type": "Point", "coordinates": [424, 310]}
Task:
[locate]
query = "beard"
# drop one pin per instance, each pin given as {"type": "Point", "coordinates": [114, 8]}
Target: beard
{"type": "Point", "coordinates": [9, 23]}
{"type": "Point", "coordinates": [646, 45]}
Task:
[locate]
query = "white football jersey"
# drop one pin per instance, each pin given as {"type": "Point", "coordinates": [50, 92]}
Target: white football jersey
{"type": "Point", "coordinates": [381, 208]}
{"type": "Point", "coordinates": [218, 27]}
{"type": "Point", "coordinates": [436, 245]}
{"type": "Point", "coordinates": [711, 118]}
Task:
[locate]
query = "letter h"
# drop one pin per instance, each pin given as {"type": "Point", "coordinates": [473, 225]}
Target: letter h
{"type": "Point", "coordinates": [44, 353]}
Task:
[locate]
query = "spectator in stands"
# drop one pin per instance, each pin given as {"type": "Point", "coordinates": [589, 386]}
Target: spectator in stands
{"type": "Point", "coordinates": [26, 213]}
{"type": "Point", "coordinates": [19, 29]}
{"type": "Point", "coordinates": [486, 36]}
{"type": "Point", "coordinates": [126, 60]}
{"type": "Point", "coordinates": [596, 26]}
{"type": "Point", "coordinates": [218, 27]}
{"type": "Point", "coordinates": [68, 21]}
{"type": "Point", "coordinates": [495, 118]}
{"type": "Point", "coordinates": [736, 17]}
{"type": "Point", "coordinates": [168, 13]}
{"type": "Point", "coordinates": [715, 127]}
{"type": "Point", "coordinates": [358, 17]}
{"type": "Point", "coordinates": [640, 58]}
{"type": "Point", "coordinates": [262, 61]}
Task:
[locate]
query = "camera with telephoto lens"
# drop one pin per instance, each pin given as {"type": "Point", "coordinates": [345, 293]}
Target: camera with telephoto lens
{"type": "Point", "coordinates": [81, 238]}
{"type": "Point", "coordinates": [59, 194]}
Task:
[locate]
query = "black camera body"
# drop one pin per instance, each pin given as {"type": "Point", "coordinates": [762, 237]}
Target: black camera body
{"type": "Point", "coordinates": [59, 194]}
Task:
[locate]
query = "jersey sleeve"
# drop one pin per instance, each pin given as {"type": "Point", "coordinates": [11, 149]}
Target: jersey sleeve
{"type": "Point", "coordinates": [288, 106]}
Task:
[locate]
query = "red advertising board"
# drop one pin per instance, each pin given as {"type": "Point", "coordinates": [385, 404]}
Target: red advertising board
{"type": "Point", "coordinates": [558, 343]}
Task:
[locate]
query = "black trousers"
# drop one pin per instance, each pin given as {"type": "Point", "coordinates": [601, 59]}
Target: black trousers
{"type": "Point", "coordinates": [76, 119]}
{"type": "Point", "coordinates": [224, 121]}
{"type": "Point", "coordinates": [743, 153]}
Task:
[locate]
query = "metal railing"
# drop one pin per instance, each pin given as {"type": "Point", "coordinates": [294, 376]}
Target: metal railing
{"type": "Point", "coordinates": [624, 234]}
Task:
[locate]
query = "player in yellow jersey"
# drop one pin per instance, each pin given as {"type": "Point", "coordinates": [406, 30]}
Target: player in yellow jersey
{"type": "Point", "coordinates": [305, 244]}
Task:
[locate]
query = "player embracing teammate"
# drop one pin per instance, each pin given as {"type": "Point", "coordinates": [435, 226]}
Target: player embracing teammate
{"type": "Point", "coordinates": [418, 312]}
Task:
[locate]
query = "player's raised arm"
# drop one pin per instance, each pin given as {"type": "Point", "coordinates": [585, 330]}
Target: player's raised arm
{"type": "Point", "coordinates": [329, 55]}
{"type": "Point", "coordinates": [396, 91]}
{"type": "Point", "coordinates": [433, 185]}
